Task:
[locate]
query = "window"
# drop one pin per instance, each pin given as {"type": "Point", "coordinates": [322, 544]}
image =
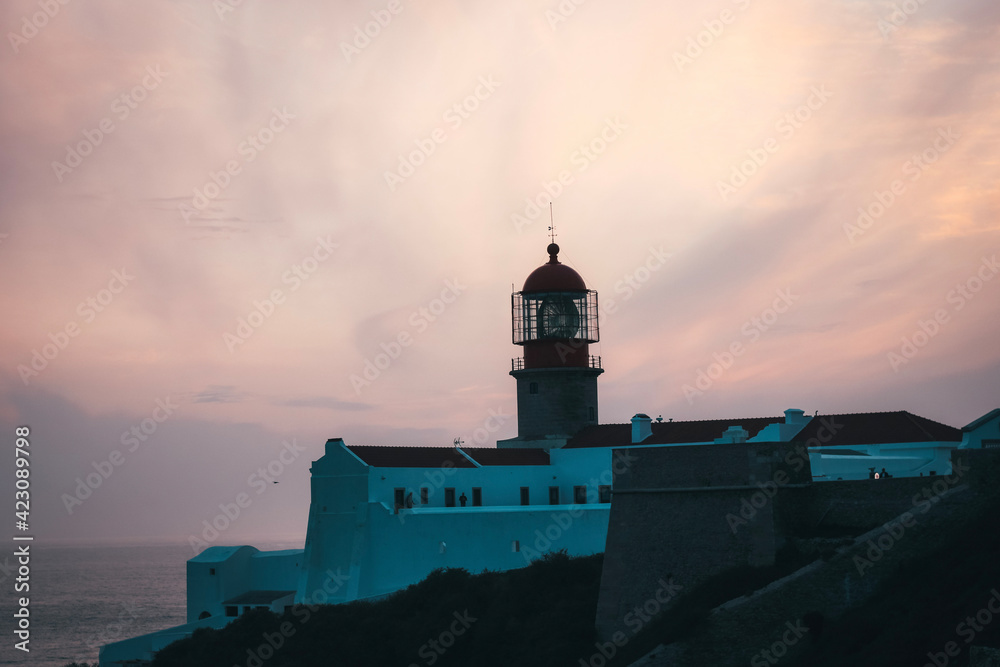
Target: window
{"type": "Point", "coordinates": [423, 495]}
{"type": "Point", "coordinates": [231, 611]}
{"type": "Point", "coordinates": [399, 497]}
{"type": "Point", "coordinates": [533, 388]}
{"type": "Point", "coordinates": [477, 496]}
{"type": "Point", "coordinates": [246, 609]}
{"type": "Point", "coordinates": [591, 413]}
{"type": "Point", "coordinates": [211, 570]}
{"type": "Point", "coordinates": [580, 495]}
{"type": "Point", "coordinates": [524, 495]}
{"type": "Point", "coordinates": [449, 497]}
{"type": "Point", "coordinates": [203, 615]}
{"type": "Point", "coordinates": [553, 495]}
{"type": "Point", "coordinates": [515, 546]}
{"type": "Point", "coordinates": [604, 493]}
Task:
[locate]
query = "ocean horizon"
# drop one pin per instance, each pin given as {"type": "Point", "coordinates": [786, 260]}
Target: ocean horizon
{"type": "Point", "coordinates": [86, 594]}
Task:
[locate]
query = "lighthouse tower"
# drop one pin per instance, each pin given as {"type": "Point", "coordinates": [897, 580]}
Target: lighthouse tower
{"type": "Point", "coordinates": [554, 319]}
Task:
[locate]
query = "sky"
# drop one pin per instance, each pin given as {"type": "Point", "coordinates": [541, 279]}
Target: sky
{"type": "Point", "coordinates": [231, 230]}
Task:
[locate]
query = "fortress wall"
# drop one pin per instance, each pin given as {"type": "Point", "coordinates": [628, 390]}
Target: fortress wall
{"type": "Point", "coordinates": [652, 535]}
{"type": "Point", "coordinates": [739, 631]}
{"type": "Point", "coordinates": [676, 513]}
{"type": "Point", "coordinates": [850, 505]}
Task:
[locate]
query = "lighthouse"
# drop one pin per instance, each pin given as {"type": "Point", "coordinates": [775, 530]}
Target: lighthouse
{"type": "Point", "coordinates": [554, 320]}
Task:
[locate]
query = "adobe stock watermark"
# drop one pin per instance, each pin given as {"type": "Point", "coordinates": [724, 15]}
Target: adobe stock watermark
{"type": "Point", "coordinates": [136, 436]}
{"type": "Point", "coordinates": [115, 631]}
{"type": "Point", "coordinates": [958, 297]}
{"type": "Point", "coordinates": [457, 114]}
{"type": "Point", "coordinates": [704, 39]}
{"type": "Point", "coordinates": [900, 14]}
{"type": "Point", "coordinates": [562, 12]}
{"type": "Point", "coordinates": [121, 107]}
{"type": "Point", "coordinates": [913, 168]}
{"type": "Point", "coordinates": [777, 650]}
{"type": "Point", "coordinates": [432, 651]}
{"type": "Point", "coordinates": [786, 126]}
{"type": "Point", "coordinates": [32, 25]}
{"type": "Point", "coordinates": [260, 481]}
{"type": "Point", "coordinates": [272, 642]}
{"type": "Point", "coordinates": [381, 18]}
{"type": "Point", "coordinates": [636, 619]}
{"type": "Point", "coordinates": [223, 7]}
{"type": "Point", "coordinates": [88, 309]}
{"type": "Point", "coordinates": [246, 152]}
{"type": "Point", "coordinates": [752, 329]}
{"type": "Point", "coordinates": [797, 459]}
{"type": "Point", "coordinates": [628, 286]}
{"type": "Point", "coordinates": [894, 530]}
{"type": "Point", "coordinates": [581, 158]}
{"type": "Point", "coordinates": [967, 629]}
{"type": "Point", "coordinates": [545, 539]}
{"type": "Point", "coordinates": [436, 479]}
{"type": "Point", "coordinates": [262, 310]}
{"type": "Point", "coordinates": [419, 320]}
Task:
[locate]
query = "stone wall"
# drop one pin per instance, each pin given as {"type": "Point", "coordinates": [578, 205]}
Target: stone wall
{"type": "Point", "coordinates": [688, 513]}
{"type": "Point", "coordinates": [772, 619]}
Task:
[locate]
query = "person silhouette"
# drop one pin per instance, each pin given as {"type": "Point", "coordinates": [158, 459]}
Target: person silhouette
{"type": "Point", "coordinates": [462, 499]}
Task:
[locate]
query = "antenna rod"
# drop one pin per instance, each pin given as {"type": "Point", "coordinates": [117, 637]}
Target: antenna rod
{"type": "Point", "coordinates": [552, 225]}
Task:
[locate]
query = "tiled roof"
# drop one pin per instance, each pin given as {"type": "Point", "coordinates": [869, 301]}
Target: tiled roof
{"type": "Point", "coordinates": [874, 428]}
{"type": "Point", "coordinates": [666, 433]}
{"type": "Point", "coordinates": [514, 456]}
{"type": "Point", "coordinates": [410, 457]}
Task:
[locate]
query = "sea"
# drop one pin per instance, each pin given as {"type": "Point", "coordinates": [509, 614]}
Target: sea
{"type": "Point", "coordinates": [84, 596]}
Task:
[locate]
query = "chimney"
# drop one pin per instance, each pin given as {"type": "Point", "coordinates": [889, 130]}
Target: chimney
{"type": "Point", "coordinates": [733, 435]}
{"type": "Point", "coordinates": [793, 416]}
{"type": "Point", "coordinates": [641, 427]}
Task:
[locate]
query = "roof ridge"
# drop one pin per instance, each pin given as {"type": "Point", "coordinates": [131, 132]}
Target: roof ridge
{"type": "Point", "coordinates": [405, 446]}
{"type": "Point", "coordinates": [914, 419]}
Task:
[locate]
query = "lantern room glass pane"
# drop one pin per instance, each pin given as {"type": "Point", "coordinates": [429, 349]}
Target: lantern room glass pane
{"type": "Point", "coordinates": [555, 316]}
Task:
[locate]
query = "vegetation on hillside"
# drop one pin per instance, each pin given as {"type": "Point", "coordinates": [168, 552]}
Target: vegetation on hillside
{"type": "Point", "coordinates": [923, 607]}
{"type": "Point", "coordinates": [539, 615]}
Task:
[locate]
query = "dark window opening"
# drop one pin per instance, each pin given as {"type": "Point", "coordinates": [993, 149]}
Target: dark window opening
{"type": "Point", "coordinates": [449, 497]}
{"type": "Point", "coordinates": [553, 495]}
{"type": "Point", "coordinates": [423, 495]}
{"type": "Point", "coordinates": [533, 388]}
{"type": "Point", "coordinates": [203, 614]}
{"type": "Point", "coordinates": [515, 546]}
{"type": "Point", "coordinates": [211, 570]}
{"type": "Point", "coordinates": [580, 495]}
{"type": "Point", "coordinates": [524, 495]}
{"type": "Point", "coordinates": [477, 496]}
{"type": "Point", "coordinates": [246, 609]}
{"type": "Point", "coordinates": [604, 493]}
{"type": "Point", "coordinates": [232, 611]}
{"type": "Point", "coordinates": [399, 497]}
{"type": "Point", "coordinates": [591, 413]}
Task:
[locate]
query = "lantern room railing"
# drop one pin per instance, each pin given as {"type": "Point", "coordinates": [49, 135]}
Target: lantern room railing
{"type": "Point", "coordinates": [517, 363]}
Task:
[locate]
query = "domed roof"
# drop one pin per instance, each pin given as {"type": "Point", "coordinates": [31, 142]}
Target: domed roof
{"type": "Point", "coordinates": [553, 276]}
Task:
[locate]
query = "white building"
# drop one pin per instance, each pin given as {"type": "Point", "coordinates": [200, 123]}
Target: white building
{"type": "Point", "coordinates": [382, 518]}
